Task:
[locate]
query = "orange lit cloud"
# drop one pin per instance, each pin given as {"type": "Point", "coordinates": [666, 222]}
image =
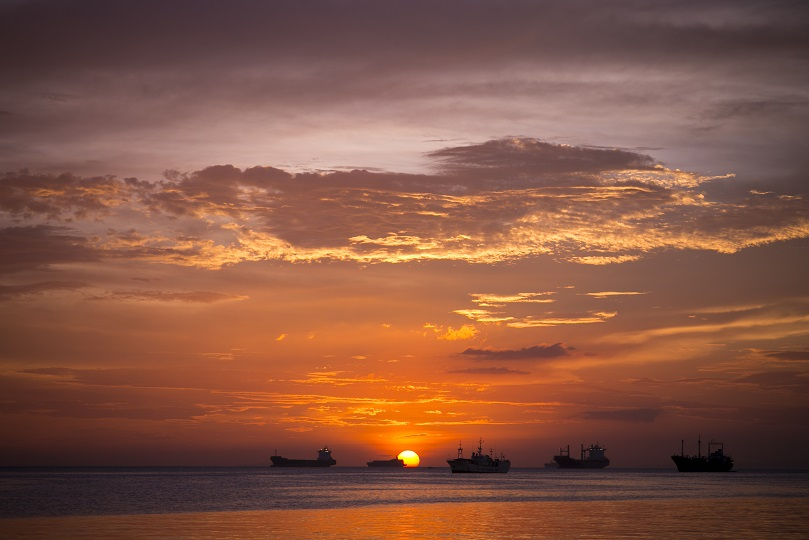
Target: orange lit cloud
{"type": "Point", "coordinates": [605, 206]}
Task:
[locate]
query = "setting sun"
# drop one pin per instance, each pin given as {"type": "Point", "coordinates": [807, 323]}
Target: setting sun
{"type": "Point", "coordinates": [410, 458]}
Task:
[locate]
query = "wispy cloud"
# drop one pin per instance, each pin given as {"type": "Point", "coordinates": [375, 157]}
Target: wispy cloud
{"type": "Point", "coordinates": [489, 371]}
{"type": "Point", "coordinates": [625, 415]}
{"type": "Point", "coordinates": [203, 297]}
{"type": "Point", "coordinates": [8, 292]}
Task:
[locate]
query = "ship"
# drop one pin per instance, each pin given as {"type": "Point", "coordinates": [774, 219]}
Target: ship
{"type": "Point", "coordinates": [395, 462]}
{"type": "Point", "coordinates": [479, 462]}
{"type": "Point", "coordinates": [591, 458]}
{"type": "Point", "coordinates": [324, 459]}
{"type": "Point", "coordinates": [715, 461]}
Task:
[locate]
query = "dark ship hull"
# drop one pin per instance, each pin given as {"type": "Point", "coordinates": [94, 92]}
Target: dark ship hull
{"type": "Point", "coordinates": [324, 459]}
{"type": "Point", "coordinates": [703, 464]}
{"type": "Point", "coordinates": [715, 461]}
{"type": "Point", "coordinates": [591, 458]}
{"type": "Point", "coordinates": [395, 463]}
{"type": "Point", "coordinates": [566, 462]}
{"type": "Point", "coordinates": [278, 461]}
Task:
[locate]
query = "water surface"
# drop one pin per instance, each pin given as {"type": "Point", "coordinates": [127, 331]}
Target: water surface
{"type": "Point", "coordinates": [419, 503]}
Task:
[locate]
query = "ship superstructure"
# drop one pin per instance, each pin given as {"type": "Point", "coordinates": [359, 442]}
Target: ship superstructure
{"type": "Point", "coordinates": [592, 457]}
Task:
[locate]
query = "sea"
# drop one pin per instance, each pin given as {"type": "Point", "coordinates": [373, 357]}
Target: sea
{"type": "Point", "coordinates": [345, 502]}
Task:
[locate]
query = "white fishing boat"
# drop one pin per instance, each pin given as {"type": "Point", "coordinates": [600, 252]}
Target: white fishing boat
{"type": "Point", "coordinates": [479, 462]}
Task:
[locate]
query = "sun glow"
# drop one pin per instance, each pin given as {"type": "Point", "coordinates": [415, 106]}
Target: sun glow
{"type": "Point", "coordinates": [410, 458]}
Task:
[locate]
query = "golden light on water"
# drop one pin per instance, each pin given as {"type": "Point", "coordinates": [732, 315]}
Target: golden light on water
{"type": "Point", "coordinates": [410, 458]}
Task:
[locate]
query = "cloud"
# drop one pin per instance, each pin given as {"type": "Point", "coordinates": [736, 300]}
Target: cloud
{"type": "Point", "coordinates": [499, 300]}
{"type": "Point", "coordinates": [796, 355]}
{"type": "Point", "coordinates": [607, 294]}
{"type": "Point", "coordinates": [535, 162]}
{"type": "Point", "coordinates": [558, 320]}
{"type": "Point", "coordinates": [595, 212]}
{"type": "Point", "coordinates": [55, 371]}
{"type": "Point", "coordinates": [524, 33]}
{"type": "Point", "coordinates": [466, 331]}
{"type": "Point", "coordinates": [8, 292]}
{"type": "Point", "coordinates": [38, 246]}
{"type": "Point", "coordinates": [63, 197]}
{"type": "Point", "coordinates": [100, 394]}
{"type": "Point", "coordinates": [766, 321]}
{"type": "Point", "coordinates": [796, 381]}
{"type": "Point", "coordinates": [489, 371]}
{"type": "Point", "coordinates": [625, 415]}
{"type": "Point", "coordinates": [203, 297]}
{"type": "Point", "coordinates": [529, 353]}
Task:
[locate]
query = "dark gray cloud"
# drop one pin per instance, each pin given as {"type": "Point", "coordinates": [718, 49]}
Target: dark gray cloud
{"type": "Point", "coordinates": [153, 84]}
{"type": "Point", "coordinates": [529, 353]}
{"type": "Point", "coordinates": [796, 355]}
{"type": "Point", "coordinates": [148, 32]}
{"type": "Point", "coordinates": [513, 160]}
{"type": "Point", "coordinates": [31, 247]}
{"type": "Point", "coordinates": [625, 415]}
{"type": "Point", "coordinates": [63, 196]}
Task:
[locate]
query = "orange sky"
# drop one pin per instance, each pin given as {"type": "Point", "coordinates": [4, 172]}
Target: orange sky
{"type": "Point", "coordinates": [215, 245]}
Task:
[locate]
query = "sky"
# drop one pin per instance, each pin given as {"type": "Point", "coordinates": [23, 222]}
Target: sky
{"type": "Point", "coordinates": [230, 229]}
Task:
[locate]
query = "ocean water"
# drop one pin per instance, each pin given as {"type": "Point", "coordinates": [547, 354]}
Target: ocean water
{"type": "Point", "coordinates": [342, 502]}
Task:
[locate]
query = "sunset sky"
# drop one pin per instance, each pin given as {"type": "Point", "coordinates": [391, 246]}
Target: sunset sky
{"type": "Point", "coordinates": [234, 228]}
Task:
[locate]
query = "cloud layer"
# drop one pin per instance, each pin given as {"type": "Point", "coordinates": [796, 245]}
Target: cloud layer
{"type": "Point", "coordinates": [496, 201]}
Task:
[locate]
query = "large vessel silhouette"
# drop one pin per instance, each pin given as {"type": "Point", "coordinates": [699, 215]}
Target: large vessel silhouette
{"type": "Point", "coordinates": [715, 461]}
{"type": "Point", "coordinates": [324, 459]}
{"type": "Point", "coordinates": [591, 458]}
{"type": "Point", "coordinates": [479, 462]}
{"type": "Point", "coordinates": [395, 462]}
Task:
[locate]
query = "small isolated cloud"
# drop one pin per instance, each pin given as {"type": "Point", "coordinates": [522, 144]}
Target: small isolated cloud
{"type": "Point", "coordinates": [625, 415]}
{"type": "Point", "coordinates": [466, 331]}
{"type": "Point", "coordinates": [449, 333]}
{"type": "Point", "coordinates": [606, 294]}
{"type": "Point", "coordinates": [203, 297]}
{"type": "Point", "coordinates": [498, 300]}
{"type": "Point", "coordinates": [558, 320]}
{"type": "Point", "coordinates": [483, 315]}
{"type": "Point", "coordinates": [527, 353]}
{"type": "Point", "coordinates": [489, 371]}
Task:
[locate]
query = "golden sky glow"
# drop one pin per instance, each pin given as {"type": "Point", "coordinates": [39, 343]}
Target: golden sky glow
{"type": "Point", "coordinates": [214, 246]}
